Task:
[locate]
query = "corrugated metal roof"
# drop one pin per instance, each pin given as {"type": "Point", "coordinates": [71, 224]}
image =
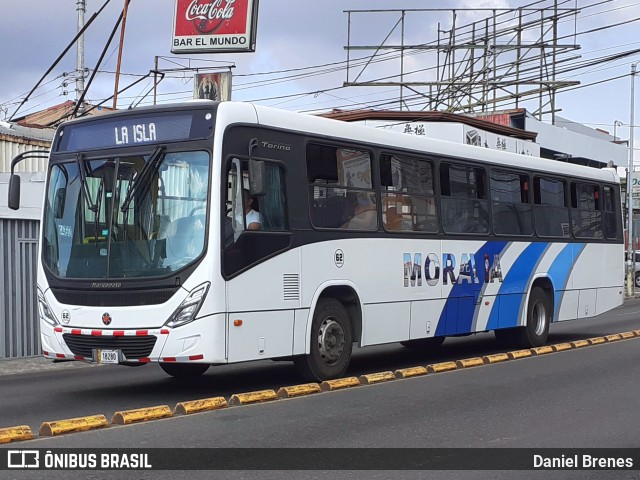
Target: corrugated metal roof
{"type": "Point", "coordinates": [28, 133]}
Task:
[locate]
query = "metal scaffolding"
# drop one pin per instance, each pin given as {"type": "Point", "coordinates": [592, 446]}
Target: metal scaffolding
{"type": "Point", "coordinates": [500, 59]}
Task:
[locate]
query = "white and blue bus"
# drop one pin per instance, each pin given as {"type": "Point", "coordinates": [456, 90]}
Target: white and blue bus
{"type": "Point", "coordinates": [365, 237]}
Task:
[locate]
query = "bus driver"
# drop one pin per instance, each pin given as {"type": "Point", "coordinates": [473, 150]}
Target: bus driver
{"type": "Point", "coordinates": [253, 218]}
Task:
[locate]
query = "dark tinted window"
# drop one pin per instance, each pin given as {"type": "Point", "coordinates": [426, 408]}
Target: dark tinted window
{"type": "Point", "coordinates": [585, 210]}
{"type": "Point", "coordinates": [610, 213]}
{"type": "Point", "coordinates": [464, 205]}
{"type": "Point", "coordinates": [340, 188]}
{"type": "Point", "coordinates": [408, 200]}
{"type": "Point", "coordinates": [510, 208]}
{"type": "Point", "coordinates": [551, 214]}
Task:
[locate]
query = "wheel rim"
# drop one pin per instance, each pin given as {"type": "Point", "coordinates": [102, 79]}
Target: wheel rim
{"type": "Point", "coordinates": [539, 317]}
{"type": "Point", "coordinates": [638, 281]}
{"type": "Point", "coordinates": [331, 341]}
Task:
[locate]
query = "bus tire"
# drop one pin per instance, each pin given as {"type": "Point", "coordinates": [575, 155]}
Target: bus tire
{"type": "Point", "coordinates": [184, 370]}
{"type": "Point", "coordinates": [431, 343]}
{"type": "Point", "coordinates": [331, 342]}
{"type": "Point", "coordinates": [536, 332]}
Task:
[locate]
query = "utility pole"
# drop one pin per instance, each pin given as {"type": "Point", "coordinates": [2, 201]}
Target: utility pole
{"type": "Point", "coordinates": [630, 253]}
{"type": "Point", "coordinates": [81, 8]}
{"type": "Point", "coordinates": [124, 24]}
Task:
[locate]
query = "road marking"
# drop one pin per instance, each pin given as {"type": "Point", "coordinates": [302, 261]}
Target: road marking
{"type": "Point", "coordinates": [72, 425]}
{"type": "Point", "coordinates": [127, 417]}
{"type": "Point", "coordinates": [299, 390]}
{"type": "Point", "coordinates": [196, 406]}
{"type": "Point", "coordinates": [14, 434]}
{"type": "Point", "coordinates": [372, 378]}
{"type": "Point", "coordinates": [340, 383]}
{"type": "Point", "coordinates": [253, 397]}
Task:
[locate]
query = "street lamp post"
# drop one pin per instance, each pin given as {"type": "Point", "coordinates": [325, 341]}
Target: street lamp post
{"type": "Point", "coordinates": [630, 252]}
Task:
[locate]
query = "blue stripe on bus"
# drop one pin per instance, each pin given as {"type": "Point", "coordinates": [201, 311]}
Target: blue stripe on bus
{"type": "Point", "coordinates": [514, 286]}
{"type": "Point", "coordinates": [458, 312]}
{"type": "Point", "coordinates": [560, 270]}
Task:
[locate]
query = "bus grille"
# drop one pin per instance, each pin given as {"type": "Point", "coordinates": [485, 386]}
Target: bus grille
{"type": "Point", "coordinates": [132, 347]}
{"type": "Point", "coordinates": [113, 298]}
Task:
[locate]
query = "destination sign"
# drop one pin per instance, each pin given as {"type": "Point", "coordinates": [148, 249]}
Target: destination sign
{"type": "Point", "coordinates": [132, 131]}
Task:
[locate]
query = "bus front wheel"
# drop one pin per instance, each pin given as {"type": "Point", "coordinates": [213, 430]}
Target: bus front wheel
{"type": "Point", "coordinates": [184, 370]}
{"type": "Point", "coordinates": [331, 342]}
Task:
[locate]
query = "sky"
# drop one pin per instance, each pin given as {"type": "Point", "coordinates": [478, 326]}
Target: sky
{"type": "Point", "coordinates": [306, 40]}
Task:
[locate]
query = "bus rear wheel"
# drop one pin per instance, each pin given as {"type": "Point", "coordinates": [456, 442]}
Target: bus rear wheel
{"type": "Point", "coordinates": [184, 370]}
{"type": "Point", "coordinates": [536, 331]}
{"type": "Point", "coordinates": [331, 342]}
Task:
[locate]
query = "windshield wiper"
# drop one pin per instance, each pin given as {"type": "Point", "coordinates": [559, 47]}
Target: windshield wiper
{"type": "Point", "coordinates": [152, 164]}
{"type": "Point", "coordinates": [85, 188]}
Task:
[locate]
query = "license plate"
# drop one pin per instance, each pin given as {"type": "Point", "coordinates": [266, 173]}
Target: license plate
{"type": "Point", "coordinates": [108, 356]}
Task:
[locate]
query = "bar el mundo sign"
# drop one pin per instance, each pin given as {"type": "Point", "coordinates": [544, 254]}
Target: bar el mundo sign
{"type": "Point", "coordinates": [214, 26]}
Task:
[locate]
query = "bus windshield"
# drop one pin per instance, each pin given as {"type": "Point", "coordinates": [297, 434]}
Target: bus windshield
{"type": "Point", "coordinates": [126, 217]}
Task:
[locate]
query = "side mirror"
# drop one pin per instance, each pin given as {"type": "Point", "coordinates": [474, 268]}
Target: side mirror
{"type": "Point", "coordinates": [257, 171]}
{"type": "Point", "coordinates": [14, 192]}
{"type": "Point", "coordinates": [257, 175]}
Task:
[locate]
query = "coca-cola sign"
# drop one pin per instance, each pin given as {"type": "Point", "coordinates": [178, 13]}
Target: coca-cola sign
{"type": "Point", "coordinates": [215, 26]}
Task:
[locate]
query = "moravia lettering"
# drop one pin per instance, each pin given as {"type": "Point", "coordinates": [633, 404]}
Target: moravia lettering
{"type": "Point", "coordinates": [467, 272]}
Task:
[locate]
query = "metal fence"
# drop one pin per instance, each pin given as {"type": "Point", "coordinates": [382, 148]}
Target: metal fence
{"type": "Point", "coordinates": [19, 332]}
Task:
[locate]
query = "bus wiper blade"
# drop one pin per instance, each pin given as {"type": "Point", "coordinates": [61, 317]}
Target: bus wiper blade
{"type": "Point", "coordinates": [152, 164]}
{"type": "Point", "coordinates": [84, 187]}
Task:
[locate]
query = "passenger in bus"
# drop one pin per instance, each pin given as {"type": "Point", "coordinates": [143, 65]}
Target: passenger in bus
{"type": "Point", "coordinates": [365, 214]}
{"type": "Point", "coordinates": [253, 219]}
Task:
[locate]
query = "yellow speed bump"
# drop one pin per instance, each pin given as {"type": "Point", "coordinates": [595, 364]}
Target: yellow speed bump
{"type": "Point", "coordinates": [519, 354]}
{"type": "Point", "coordinates": [541, 350]}
{"type": "Point", "coordinates": [298, 390]}
{"type": "Point", "coordinates": [253, 397]}
{"type": "Point", "coordinates": [339, 383]}
{"type": "Point", "coordinates": [596, 340]}
{"type": "Point", "coordinates": [441, 367]}
{"type": "Point", "coordinates": [637, 332]}
{"type": "Point", "coordinates": [495, 358]}
{"type": "Point", "coordinates": [14, 434]}
{"type": "Point", "coordinates": [626, 335]}
{"type": "Point", "coordinates": [580, 344]}
{"type": "Point", "coordinates": [372, 378]}
{"type": "Point", "coordinates": [126, 417]}
{"type": "Point", "coordinates": [561, 347]}
{"type": "Point", "coordinates": [469, 362]}
{"type": "Point", "coordinates": [410, 372]}
{"type": "Point", "coordinates": [70, 425]}
{"type": "Point", "coordinates": [613, 338]}
{"type": "Point", "coordinates": [203, 405]}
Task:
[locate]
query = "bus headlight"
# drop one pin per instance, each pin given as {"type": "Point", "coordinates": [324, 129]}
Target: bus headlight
{"type": "Point", "coordinates": [188, 309]}
{"type": "Point", "coordinates": [45, 310]}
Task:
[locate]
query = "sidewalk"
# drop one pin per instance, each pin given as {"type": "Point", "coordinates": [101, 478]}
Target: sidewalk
{"type": "Point", "coordinates": [13, 366]}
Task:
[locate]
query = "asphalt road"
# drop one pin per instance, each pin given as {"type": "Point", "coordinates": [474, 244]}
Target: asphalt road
{"type": "Point", "coordinates": [579, 398]}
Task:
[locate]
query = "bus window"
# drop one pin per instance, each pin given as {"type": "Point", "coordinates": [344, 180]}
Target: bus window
{"type": "Point", "coordinates": [340, 188]}
{"type": "Point", "coordinates": [511, 212]}
{"type": "Point", "coordinates": [610, 216]}
{"type": "Point", "coordinates": [464, 205]}
{"type": "Point", "coordinates": [268, 211]}
{"type": "Point", "coordinates": [408, 200]}
{"type": "Point", "coordinates": [585, 210]}
{"type": "Point", "coordinates": [551, 214]}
